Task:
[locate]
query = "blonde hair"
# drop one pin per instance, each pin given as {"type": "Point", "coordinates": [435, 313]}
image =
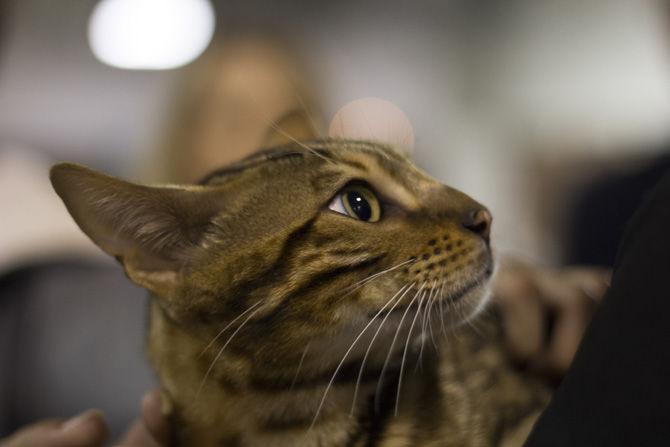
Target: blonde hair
{"type": "Point", "coordinates": [227, 100]}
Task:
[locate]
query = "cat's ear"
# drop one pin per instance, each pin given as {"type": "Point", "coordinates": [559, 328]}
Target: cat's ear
{"type": "Point", "coordinates": [150, 230]}
{"type": "Point", "coordinates": [295, 125]}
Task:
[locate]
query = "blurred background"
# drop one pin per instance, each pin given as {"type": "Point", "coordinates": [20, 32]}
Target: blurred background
{"type": "Point", "coordinates": [553, 114]}
{"type": "Point", "coordinates": [495, 90]}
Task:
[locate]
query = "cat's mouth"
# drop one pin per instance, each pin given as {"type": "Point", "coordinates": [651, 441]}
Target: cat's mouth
{"type": "Point", "coordinates": [452, 298]}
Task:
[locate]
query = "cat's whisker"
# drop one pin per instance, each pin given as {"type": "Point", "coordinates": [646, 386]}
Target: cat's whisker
{"type": "Point", "coordinates": [309, 116]}
{"type": "Point", "coordinates": [441, 303]}
{"type": "Point", "coordinates": [344, 357]}
{"type": "Point", "coordinates": [435, 299]}
{"type": "Point", "coordinates": [395, 337]}
{"type": "Point", "coordinates": [297, 372]}
{"type": "Point", "coordinates": [378, 274]}
{"type": "Point", "coordinates": [404, 355]}
{"type": "Point", "coordinates": [220, 353]}
{"type": "Point", "coordinates": [426, 314]}
{"type": "Point", "coordinates": [227, 326]}
{"type": "Point", "coordinates": [457, 310]}
{"type": "Point", "coordinates": [466, 320]}
{"type": "Point", "coordinates": [364, 281]}
{"type": "Point", "coordinates": [374, 337]}
{"type": "Point", "coordinates": [454, 330]}
{"type": "Point", "coordinates": [420, 356]}
{"type": "Point", "coordinates": [276, 127]}
{"type": "Point", "coordinates": [423, 327]}
{"type": "Point", "coordinates": [299, 143]}
{"type": "Point", "coordinates": [469, 321]}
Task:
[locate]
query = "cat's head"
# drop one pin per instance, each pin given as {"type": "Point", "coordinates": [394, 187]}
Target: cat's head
{"type": "Point", "coordinates": [308, 240]}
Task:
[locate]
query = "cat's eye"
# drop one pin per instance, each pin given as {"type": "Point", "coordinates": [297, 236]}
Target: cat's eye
{"type": "Point", "coordinates": [357, 202]}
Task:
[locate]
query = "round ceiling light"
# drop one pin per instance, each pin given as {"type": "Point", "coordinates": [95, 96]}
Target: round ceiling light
{"type": "Point", "coordinates": [150, 34]}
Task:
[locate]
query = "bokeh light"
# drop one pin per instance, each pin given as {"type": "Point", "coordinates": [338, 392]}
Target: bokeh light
{"type": "Point", "coordinates": [150, 34]}
{"type": "Point", "coordinates": [374, 119]}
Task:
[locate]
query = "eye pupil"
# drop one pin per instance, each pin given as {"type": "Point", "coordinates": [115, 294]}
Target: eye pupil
{"type": "Point", "coordinates": [359, 205]}
{"type": "Point", "coordinates": [357, 202]}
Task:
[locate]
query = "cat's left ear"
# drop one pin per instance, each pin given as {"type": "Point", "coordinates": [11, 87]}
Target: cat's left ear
{"type": "Point", "coordinates": [152, 231]}
{"type": "Point", "coordinates": [296, 125]}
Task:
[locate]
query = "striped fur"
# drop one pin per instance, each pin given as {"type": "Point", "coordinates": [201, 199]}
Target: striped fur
{"type": "Point", "coordinates": [277, 322]}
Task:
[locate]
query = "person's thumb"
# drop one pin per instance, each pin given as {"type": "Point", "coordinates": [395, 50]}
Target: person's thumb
{"type": "Point", "coordinates": [87, 429]}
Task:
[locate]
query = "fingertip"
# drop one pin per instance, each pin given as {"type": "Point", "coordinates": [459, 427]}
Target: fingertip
{"type": "Point", "coordinates": [151, 402]}
{"type": "Point", "coordinates": [155, 409]}
{"type": "Point", "coordinates": [88, 427]}
{"type": "Point", "coordinates": [597, 285]}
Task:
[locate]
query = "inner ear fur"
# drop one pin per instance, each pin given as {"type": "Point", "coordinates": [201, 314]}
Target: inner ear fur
{"type": "Point", "coordinates": [151, 230]}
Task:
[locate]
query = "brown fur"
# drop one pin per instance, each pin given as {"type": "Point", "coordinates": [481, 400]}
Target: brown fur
{"type": "Point", "coordinates": [260, 296]}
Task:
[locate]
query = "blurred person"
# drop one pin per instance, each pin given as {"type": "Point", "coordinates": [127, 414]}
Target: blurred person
{"type": "Point", "coordinates": [601, 209]}
{"type": "Point", "coordinates": [227, 103]}
{"type": "Point", "coordinates": [615, 392]}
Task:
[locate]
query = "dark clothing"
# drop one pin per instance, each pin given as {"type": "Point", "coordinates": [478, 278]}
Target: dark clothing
{"type": "Point", "coordinates": [71, 338]}
{"type": "Point", "coordinates": [601, 211]}
{"type": "Point", "coordinates": [616, 392]}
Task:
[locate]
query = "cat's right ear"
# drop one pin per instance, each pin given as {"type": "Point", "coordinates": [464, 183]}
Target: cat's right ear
{"type": "Point", "coordinates": [150, 230]}
{"type": "Point", "coordinates": [296, 125]}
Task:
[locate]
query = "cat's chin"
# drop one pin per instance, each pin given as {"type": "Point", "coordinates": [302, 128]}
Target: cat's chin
{"type": "Point", "coordinates": [471, 297]}
{"type": "Point", "coordinates": [452, 310]}
{"type": "Point", "coordinates": [466, 301]}
{"type": "Point", "coordinates": [469, 304]}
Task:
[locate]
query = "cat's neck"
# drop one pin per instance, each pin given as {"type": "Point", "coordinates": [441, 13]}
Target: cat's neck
{"type": "Point", "coordinates": [231, 398]}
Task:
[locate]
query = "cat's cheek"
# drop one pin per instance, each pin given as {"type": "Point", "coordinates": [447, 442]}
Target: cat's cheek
{"type": "Point", "coordinates": [380, 294]}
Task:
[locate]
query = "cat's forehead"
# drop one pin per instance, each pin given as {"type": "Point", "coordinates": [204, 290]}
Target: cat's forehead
{"type": "Point", "coordinates": [386, 169]}
{"type": "Point", "coordinates": [337, 160]}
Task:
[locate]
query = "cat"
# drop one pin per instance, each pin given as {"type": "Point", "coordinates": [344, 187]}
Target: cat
{"type": "Point", "coordinates": [314, 294]}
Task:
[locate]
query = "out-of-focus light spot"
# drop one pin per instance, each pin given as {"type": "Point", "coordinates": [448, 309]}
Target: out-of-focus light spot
{"type": "Point", "coordinates": [150, 34]}
{"type": "Point", "coordinates": [374, 119]}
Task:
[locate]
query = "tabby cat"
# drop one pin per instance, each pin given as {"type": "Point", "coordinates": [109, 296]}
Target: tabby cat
{"type": "Point", "coordinates": [311, 295]}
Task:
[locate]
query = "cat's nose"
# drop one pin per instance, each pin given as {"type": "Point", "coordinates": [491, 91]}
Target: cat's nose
{"type": "Point", "coordinates": [479, 222]}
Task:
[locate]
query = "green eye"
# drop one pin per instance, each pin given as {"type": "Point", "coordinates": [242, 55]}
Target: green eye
{"type": "Point", "coordinates": [357, 202]}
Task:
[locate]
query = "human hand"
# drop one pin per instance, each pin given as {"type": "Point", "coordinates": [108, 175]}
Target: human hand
{"type": "Point", "coordinates": [546, 311]}
{"type": "Point", "coordinates": [152, 429]}
{"type": "Point", "coordinates": [85, 430]}
{"type": "Point", "coordinates": [89, 429]}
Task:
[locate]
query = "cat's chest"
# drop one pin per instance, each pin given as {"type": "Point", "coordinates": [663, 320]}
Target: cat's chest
{"type": "Point", "coordinates": [468, 396]}
{"type": "Point", "coordinates": [465, 395]}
